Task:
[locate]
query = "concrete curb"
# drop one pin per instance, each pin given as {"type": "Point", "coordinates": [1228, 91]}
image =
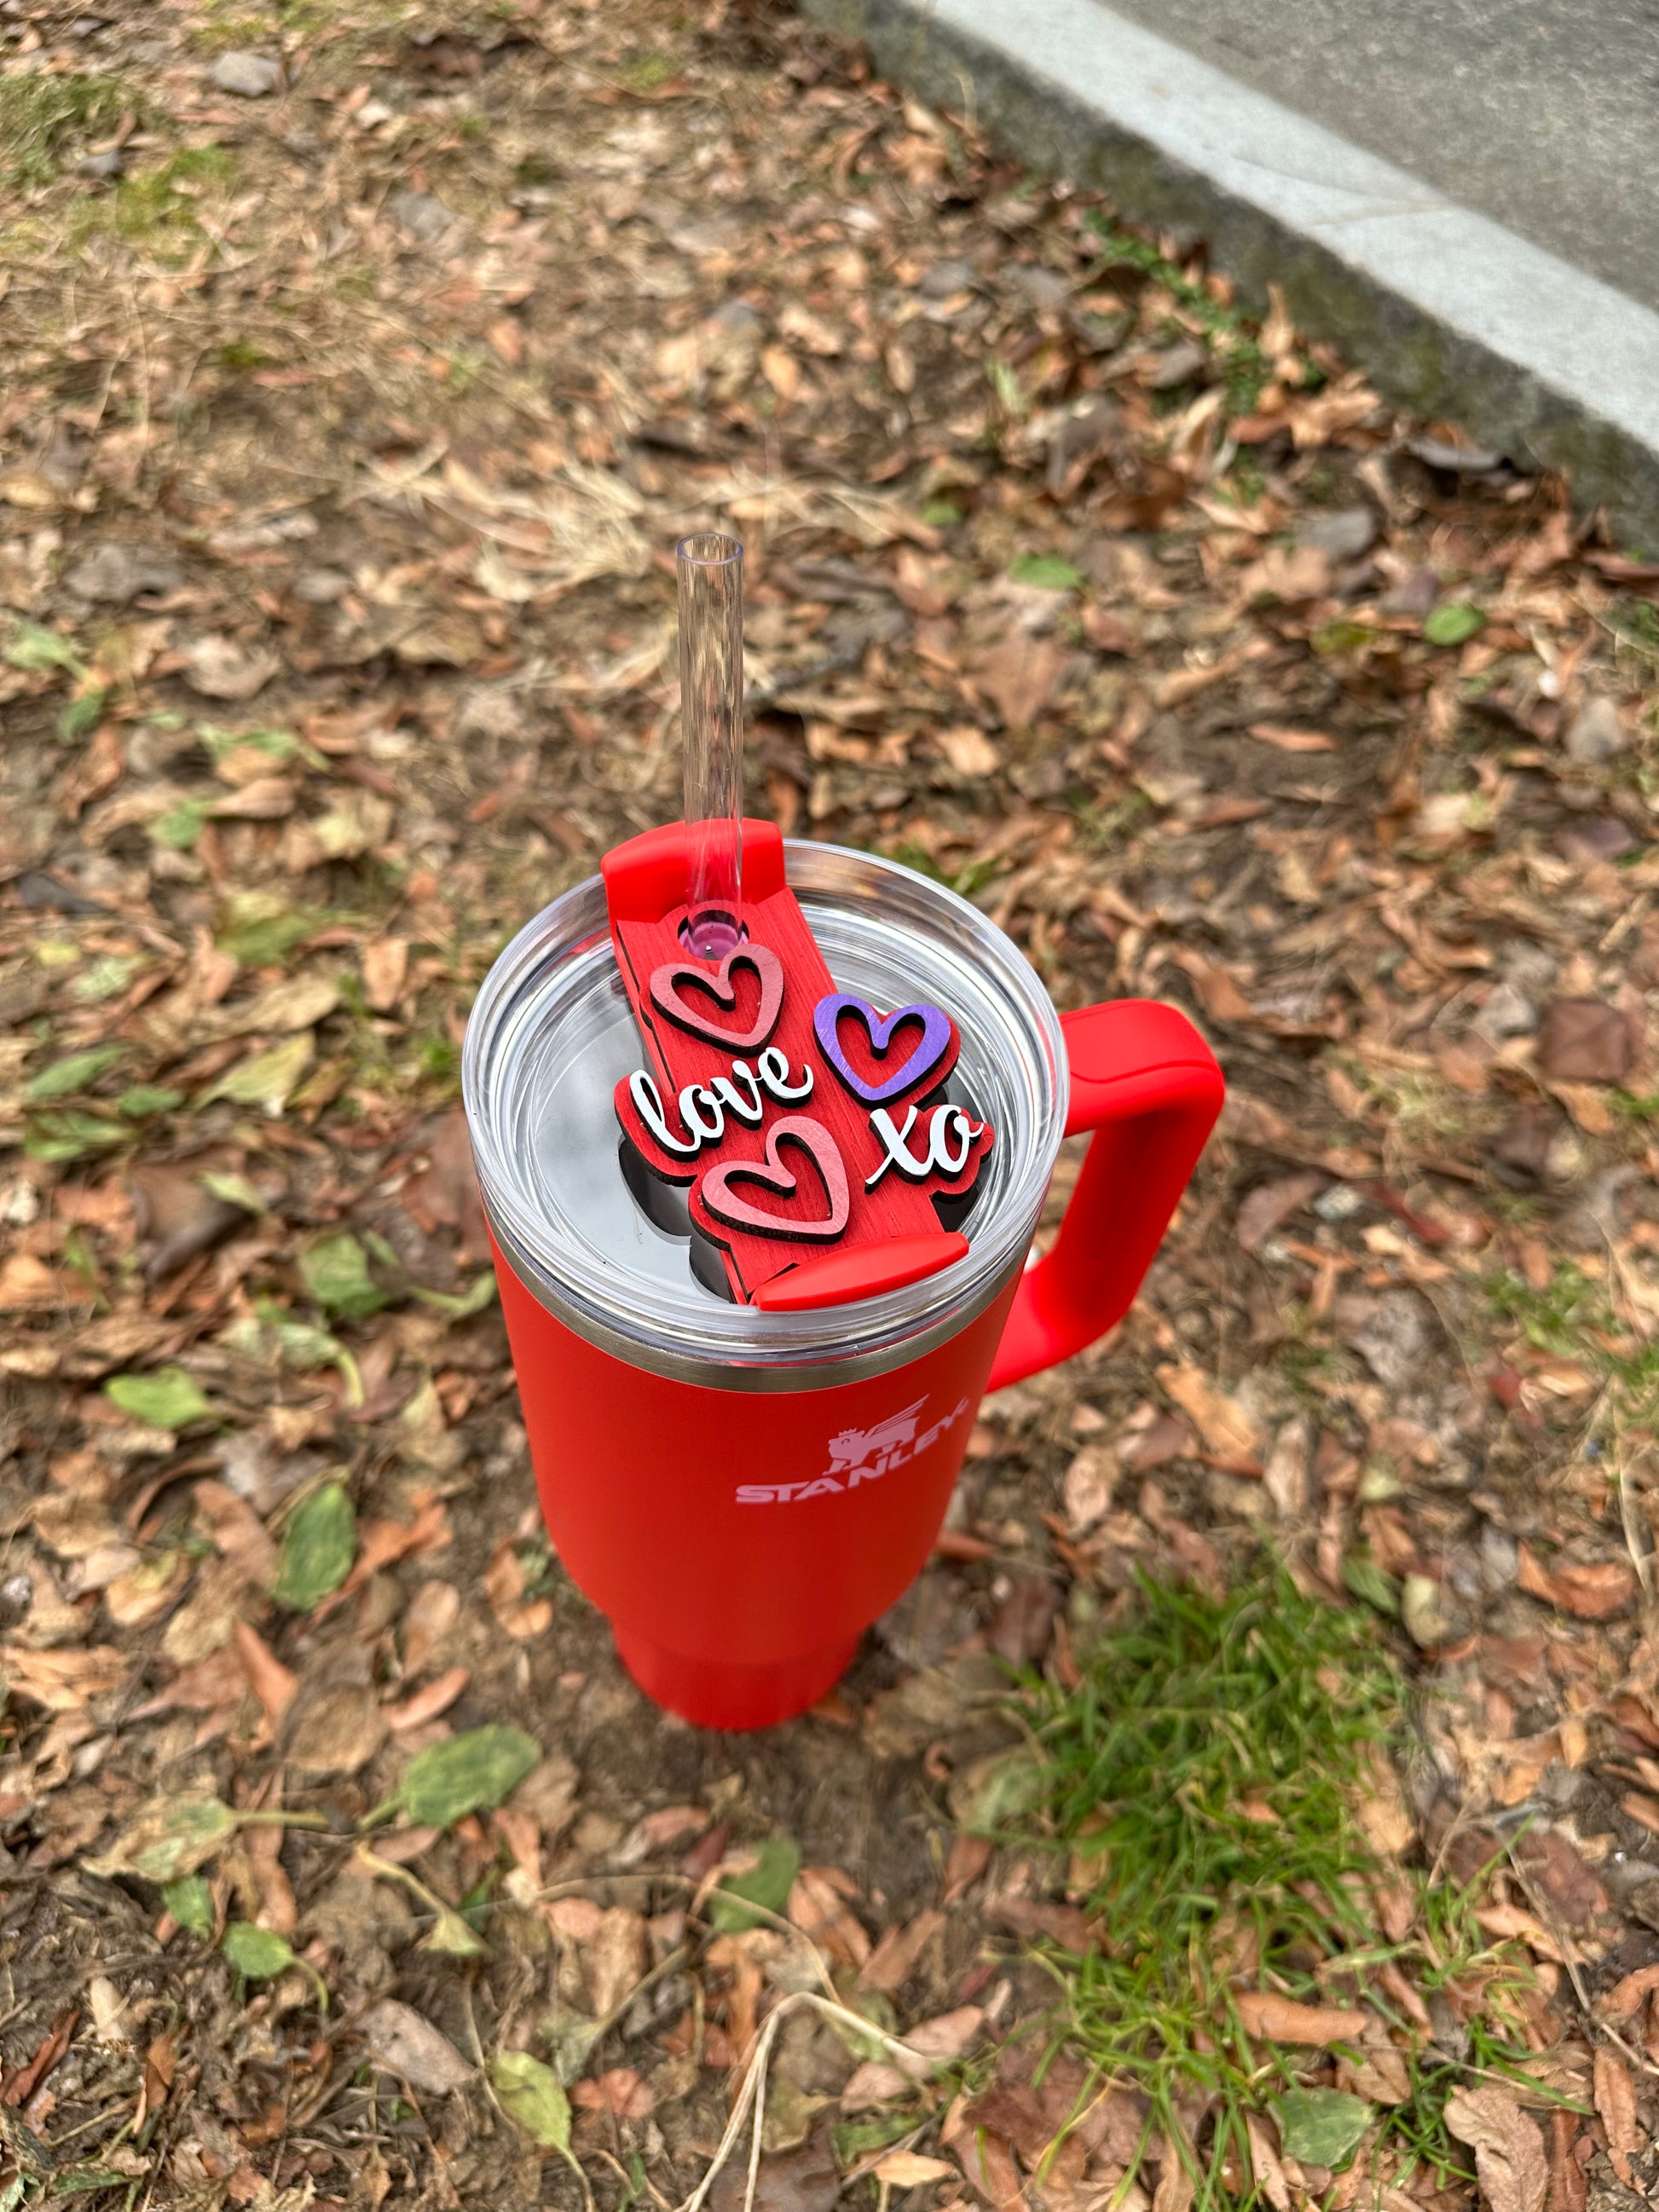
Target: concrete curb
{"type": "Point", "coordinates": [1449, 312]}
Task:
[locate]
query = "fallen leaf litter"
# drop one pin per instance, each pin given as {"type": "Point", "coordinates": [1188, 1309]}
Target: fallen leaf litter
{"type": "Point", "coordinates": [334, 641]}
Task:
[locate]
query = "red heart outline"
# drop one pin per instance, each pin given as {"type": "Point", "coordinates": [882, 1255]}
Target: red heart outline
{"type": "Point", "coordinates": [813, 1138]}
{"type": "Point", "coordinates": [717, 983]}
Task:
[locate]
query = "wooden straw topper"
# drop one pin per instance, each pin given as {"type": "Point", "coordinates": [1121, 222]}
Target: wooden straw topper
{"type": "Point", "coordinates": [811, 1128]}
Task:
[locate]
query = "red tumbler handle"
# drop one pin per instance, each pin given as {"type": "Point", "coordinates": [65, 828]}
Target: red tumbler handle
{"type": "Point", "coordinates": [1146, 1082]}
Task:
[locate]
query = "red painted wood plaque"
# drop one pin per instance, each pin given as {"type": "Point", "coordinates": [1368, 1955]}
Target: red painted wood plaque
{"type": "Point", "coordinates": [806, 1123]}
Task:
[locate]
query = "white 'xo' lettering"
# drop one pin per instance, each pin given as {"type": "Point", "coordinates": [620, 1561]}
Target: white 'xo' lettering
{"type": "Point", "coordinates": [951, 1136]}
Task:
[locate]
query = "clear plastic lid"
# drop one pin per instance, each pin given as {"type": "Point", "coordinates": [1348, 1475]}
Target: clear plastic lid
{"type": "Point", "coordinates": [551, 1033]}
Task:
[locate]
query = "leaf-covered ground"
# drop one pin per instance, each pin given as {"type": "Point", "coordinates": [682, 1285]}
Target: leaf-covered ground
{"type": "Point", "coordinates": [359, 365]}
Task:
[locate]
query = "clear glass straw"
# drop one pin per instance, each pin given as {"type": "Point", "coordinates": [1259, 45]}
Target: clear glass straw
{"type": "Point", "coordinates": [710, 571]}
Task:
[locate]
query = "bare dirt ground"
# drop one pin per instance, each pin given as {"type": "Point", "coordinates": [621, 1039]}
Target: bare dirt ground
{"type": "Point", "coordinates": [359, 366]}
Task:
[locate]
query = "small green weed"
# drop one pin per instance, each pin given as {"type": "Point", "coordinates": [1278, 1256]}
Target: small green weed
{"type": "Point", "coordinates": [1228, 332]}
{"type": "Point", "coordinates": [464, 368]}
{"type": "Point", "coordinates": [260, 929]}
{"type": "Point", "coordinates": [40, 115]}
{"type": "Point", "coordinates": [226, 23]}
{"type": "Point", "coordinates": [1573, 1318]}
{"type": "Point", "coordinates": [1243, 484]}
{"type": "Point", "coordinates": [1203, 1777]}
{"type": "Point", "coordinates": [1636, 621]}
{"type": "Point", "coordinates": [1101, 827]}
{"type": "Point", "coordinates": [968, 880]}
{"type": "Point", "coordinates": [439, 1060]}
{"type": "Point", "coordinates": [646, 72]}
{"type": "Point", "coordinates": [1557, 1318]}
{"type": "Point", "coordinates": [240, 355]}
{"type": "Point", "coordinates": [153, 200]}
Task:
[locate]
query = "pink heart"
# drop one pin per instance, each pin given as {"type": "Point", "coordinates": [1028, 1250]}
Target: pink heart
{"type": "Point", "coordinates": [667, 981]}
{"type": "Point", "coordinates": [812, 1138]}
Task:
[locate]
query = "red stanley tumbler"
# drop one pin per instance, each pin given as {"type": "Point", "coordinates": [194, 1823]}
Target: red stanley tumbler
{"type": "Point", "coordinates": [743, 1492]}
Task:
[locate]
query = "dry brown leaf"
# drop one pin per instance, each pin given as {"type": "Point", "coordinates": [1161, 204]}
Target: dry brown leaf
{"type": "Point", "coordinates": [736, 1955]}
{"type": "Point", "coordinates": [804, 2179]}
{"type": "Point", "coordinates": [381, 1543]}
{"type": "Point", "coordinates": [1508, 2151]}
{"type": "Point", "coordinates": [1583, 1041]}
{"type": "Point", "coordinates": [1108, 632]}
{"type": "Point", "coordinates": [1382, 1809]}
{"type": "Point", "coordinates": [385, 966]}
{"type": "Point", "coordinates": [1086, 1487]}
{"type": "Point", "coordinates": [1226, 1429]}
{"type": "Point", "coordinates": [266, 798]}
{"type": "Point", "coordinates": [909, 2169]}
{"type": "Point", "coordinates": [939, 2040]}
{"type": "Point", "coordinates": [1169, 1436]}
{"type": "Point", "coordinates": [269, 1679]}
{"type": "Point", "coordinates": [1588, 1106]}
{"type": "Point", "coordinates": [622, 2092]}
{"type": "Point", "coordinates": [988, 2166]}
{"type": "Point", "coordinates": [1569, 2190]}
{"type": "Point", "coordinates": [1068, 1925]}
{"type": "Point", "coordinates": [1269, 2175]}
{"type": "Point", "coordinates": [26, 1282]}
{"type": "Point", "coordinates": [1177, 2186]}
{"type": "Point", "coordinates": [1379, 2072]}
{"type": "Point", "coordinates": [782, 371]}
{"type": "Point", "coordinates": [1217, 995]}
{"type": "Point", "coordinates": [522, 1836]}
{"type": "Point", "coordinates": [406, 2043]}
{"type": "Point", "coordinates": [896, 1957]}
{"type": "Point", "coordinates": [548, 1794]}
{"type": "Point", "coordinates": [1271, 1204]}
{"type": "Point", "coordinates": [873, 2084]}
{"type": "Point", "coordinates": [1280, 2020]}
{"type": "Point", "coordinates": [426, 1703]}
{"type": "Point", "coordinates": [178, 1215]}
{"type": "Point", "coordinates": [238, 1533]}
{"type": "Point", "coordinates": [1623, 1999]}
{"type": "Point", "coordinates": [1615, 2100]}
{"type": "Point", "coordinates": [1590, 1593]}
{"type": "Point", "coordinates": [618, 1958]}
{"type": "Point", "coordinates": [577, 1918]}
{"type": "Point", "coordinates": [1019, 676]}
{"type": "Point", "coordinates": [668, 1825]}
{"type": "Point", "coordinates": [432, 1612]}
{"type": "Point", "coordinates": [1516, 1925]}
{"type": "Point", "coordinates": [1552, 1863]}
{"type": "Point", "coordinates": [1292, 741]}
{"type": "Point", "coordinates": [62, 1681]}
{"type": "Point", "coordinates": [504, 1583]}
{"type": "Point", "coordinates": [219, 668]}
{"type": "Point", "coordinates": [27, 489]}
{"type": "Point", "coordinates": [444, 1194]}
{"type": "Point", "coordinates": [1290, 574]}
{"type": "Point", "coordinates": [817, 1908]}
{"type": "Point", "coordinates": [278, 1907]}
{"type": "Point", "coordinates": [338, 1733]}
{"type": "Point", "coordinates": [968, 750]}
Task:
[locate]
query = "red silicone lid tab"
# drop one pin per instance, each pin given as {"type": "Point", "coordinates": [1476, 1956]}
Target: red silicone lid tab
{"type": "Point", "coordinates": [840, 1277]}
{"type": "Point", "coordinates": [649, 875]}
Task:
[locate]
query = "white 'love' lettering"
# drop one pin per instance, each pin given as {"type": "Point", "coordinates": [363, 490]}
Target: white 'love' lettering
{"type": "Point", "coordinates": [703, 1108]}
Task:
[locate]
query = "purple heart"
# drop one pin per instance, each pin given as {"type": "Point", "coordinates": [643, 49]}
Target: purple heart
{"type": "Point", "coordinates": [937, 1036]}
